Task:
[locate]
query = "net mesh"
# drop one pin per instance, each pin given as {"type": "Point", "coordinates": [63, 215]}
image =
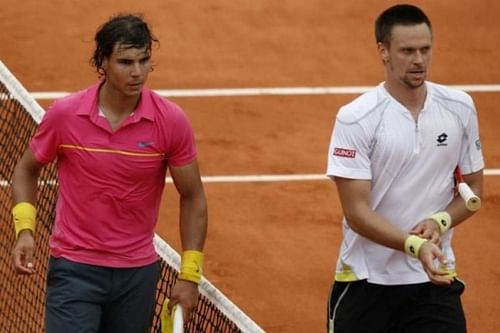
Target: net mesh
{"type": "Point", "coordinates": [22, 297]}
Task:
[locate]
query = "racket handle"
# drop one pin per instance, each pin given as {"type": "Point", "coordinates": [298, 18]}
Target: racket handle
{"type": "Point", "coordinates": [178, 320]}
{"type": "Point", "coordinates": [472, 201]}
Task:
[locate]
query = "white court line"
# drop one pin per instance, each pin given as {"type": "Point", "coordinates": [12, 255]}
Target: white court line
{"type": "Point", "coordinates": [260, 178]}
{"type": "Point", "coordinates": [270, 91]}
{"type": "Point", "coordinates": [285, 178]}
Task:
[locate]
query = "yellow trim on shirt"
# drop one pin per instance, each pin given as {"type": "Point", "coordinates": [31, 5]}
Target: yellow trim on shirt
{"type": "Point", "coordinates": [346, 275]}
{"type": "Point", "coordinates": [111, 151]}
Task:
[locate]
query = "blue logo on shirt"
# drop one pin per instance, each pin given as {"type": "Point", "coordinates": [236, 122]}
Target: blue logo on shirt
{"type": "Point", "coordinates": [144, 144]}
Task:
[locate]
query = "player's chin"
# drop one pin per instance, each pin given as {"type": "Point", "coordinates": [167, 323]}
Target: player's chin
{"type": "Point", "coordinates": [132, 91]}
{"type": "Point", "coordinates": [415, 83]}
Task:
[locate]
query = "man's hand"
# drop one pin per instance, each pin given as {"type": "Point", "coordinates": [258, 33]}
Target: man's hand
{"type": "Point", "coordinates": [428, 229]}
{"type": "Point", "coordinates": [185, 294]}
{"type": "Point", "coordinates": [22, 255]}
{"type": "Point", "coordinates": [428, 253]}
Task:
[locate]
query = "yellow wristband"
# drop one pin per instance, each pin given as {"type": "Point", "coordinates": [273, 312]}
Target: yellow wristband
{"type": "Point", "coordinates": [413, 244]}
{"type": "Point", "coordinates": [191, 266]}
{"type": "Point", "coordinates": [443, 220]}
{"type": "Point", "coordinates": [24, 215]}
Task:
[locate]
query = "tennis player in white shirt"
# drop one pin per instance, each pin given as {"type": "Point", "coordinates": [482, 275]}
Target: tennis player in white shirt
{"type": "Point", "coordinates": [392, 155]}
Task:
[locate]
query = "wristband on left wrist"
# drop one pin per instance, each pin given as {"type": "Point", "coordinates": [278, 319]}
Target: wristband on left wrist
{"type": "Point", "coordinates": [413, 244]}
{"type": "Point", "coordinates": [443, 220]}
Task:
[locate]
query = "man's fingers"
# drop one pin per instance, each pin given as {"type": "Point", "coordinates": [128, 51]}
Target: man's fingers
{"type": "Point", "coordinates": [417, 230]}
{"type": "Point", "coordinates": [172, 302]}
{"type": "Point", "coordinates": [439, 277]}
{"type": "Point", "coordinates": [20, 265]}
{"type": "Point", "coordinates": [23, 260]}
{"type": "Point", "coordinates": [187, 314]}
{"type": "Point", "coordinates": [435, 238]}
{"type": "Point", "coordinates": [441, 280]}
{"type": "Point", "coordinates": [28, 259]}
{"type": "Point", "coordinates": [16, 259]}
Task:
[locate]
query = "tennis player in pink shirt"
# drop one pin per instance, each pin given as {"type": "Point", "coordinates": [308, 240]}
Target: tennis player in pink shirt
{"type": "Point", "coordinates": [113, 143]}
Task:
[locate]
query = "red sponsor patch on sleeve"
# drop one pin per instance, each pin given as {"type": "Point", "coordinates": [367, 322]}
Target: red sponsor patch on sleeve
{"type": "Point", "coordinates": [342, 152]}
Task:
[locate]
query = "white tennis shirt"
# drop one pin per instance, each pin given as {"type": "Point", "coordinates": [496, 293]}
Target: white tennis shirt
{"type": "Point", "coordinates": [410, 164]}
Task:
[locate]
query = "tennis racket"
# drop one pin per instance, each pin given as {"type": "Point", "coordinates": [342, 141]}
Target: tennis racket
{"type": "Point", "coordinates": [178, 320]}
{"type": "Point", "coordinates": [472, 201]}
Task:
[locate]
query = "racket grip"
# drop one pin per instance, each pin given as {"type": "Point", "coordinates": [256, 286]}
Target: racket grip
{"type": "Point", "coordinates": [472, 201]}
{"type": "Point", "coordinates": [178, 320]}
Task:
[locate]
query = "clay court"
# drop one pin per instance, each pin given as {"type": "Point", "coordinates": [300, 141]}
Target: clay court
{"type": "Point", "coordinates": [272, 245]}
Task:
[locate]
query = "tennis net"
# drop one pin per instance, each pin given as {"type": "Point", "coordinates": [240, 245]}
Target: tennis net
{"type": "Point", "coordinates": [22, 297]}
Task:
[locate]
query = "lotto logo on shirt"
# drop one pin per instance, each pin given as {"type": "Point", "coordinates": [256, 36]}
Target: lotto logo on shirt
{"type": "Point", "coordinates": [478, 144]}
{"type": "Point", "coordinates": [342, 152]}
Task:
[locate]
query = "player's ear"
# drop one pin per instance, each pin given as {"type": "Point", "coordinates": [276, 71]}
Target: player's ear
{"type": "Point", "coordinates": [383, 51]}
{"type": "Point", "coordinates": [104, 64]}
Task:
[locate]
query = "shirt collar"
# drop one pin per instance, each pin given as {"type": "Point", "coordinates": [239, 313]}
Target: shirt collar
{"type": "Point", "coordinates": [89, 107]}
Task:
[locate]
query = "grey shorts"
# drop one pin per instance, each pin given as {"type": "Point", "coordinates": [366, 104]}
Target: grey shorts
{"type": "Point", "coordinates": [93, 299]}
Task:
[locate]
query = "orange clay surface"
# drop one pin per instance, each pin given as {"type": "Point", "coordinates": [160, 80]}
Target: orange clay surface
{"type": "Point", "coordinates": [272, 246]}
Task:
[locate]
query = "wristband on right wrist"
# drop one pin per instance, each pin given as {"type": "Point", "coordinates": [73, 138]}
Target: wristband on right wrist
{"type": "Point", "coordinates": [443, 220]}
{"type": "Point", "coordinates": [413, 244]}
{"type": "Point", "coordinates": [24, 215]}
{"type": "Point", "coordinates": [191, 266]}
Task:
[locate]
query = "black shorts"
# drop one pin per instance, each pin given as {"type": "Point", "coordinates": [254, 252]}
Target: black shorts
{"type": "Point", "coordinates": [359, 306]}
{"type": "Point", "coordinates": [87, 298]}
